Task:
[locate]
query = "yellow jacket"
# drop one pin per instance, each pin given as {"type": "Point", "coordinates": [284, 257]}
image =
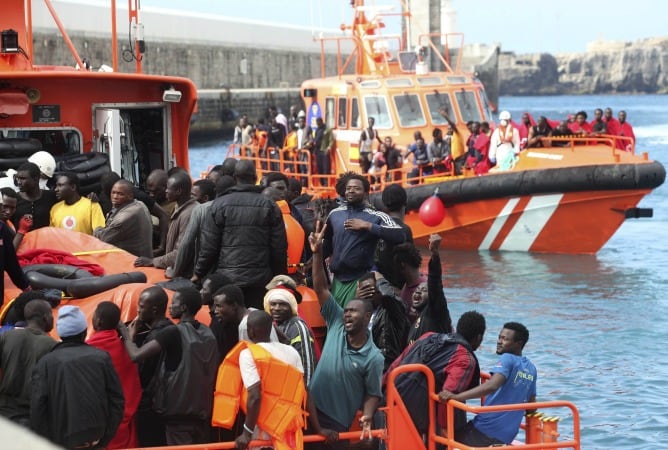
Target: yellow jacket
{"type": "Point", "coordinates": [283, 396]}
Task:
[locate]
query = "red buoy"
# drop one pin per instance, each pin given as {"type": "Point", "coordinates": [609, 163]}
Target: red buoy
{"type": "Point", "coordinates": [432, 211]}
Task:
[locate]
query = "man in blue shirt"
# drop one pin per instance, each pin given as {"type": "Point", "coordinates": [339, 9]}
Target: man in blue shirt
{"type": "Point", "coordinates": [513, 381]}
{"type": "Point", "coordinates": [348, 375]}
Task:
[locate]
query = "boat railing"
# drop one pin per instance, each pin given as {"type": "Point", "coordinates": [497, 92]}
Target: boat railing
{"type": "Point", "coordinates": [574, 142]}
{"type": "Point", "coordinates": [444, 55]}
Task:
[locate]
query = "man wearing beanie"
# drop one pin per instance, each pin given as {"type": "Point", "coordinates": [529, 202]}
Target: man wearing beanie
{"type": "Point", "coordinates": [77, 400]}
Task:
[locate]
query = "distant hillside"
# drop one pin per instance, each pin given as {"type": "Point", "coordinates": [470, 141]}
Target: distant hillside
{"type": "Point", "coordinates": [605, 68]}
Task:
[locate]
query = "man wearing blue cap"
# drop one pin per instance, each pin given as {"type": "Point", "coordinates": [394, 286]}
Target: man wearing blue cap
{"type": "Point", "coordinates": [77, 399]}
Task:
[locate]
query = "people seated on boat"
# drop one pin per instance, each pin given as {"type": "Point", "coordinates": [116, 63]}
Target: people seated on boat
{"type": "Point", "coordinates": [393, 159]}
{"type": "Point", "coordinates": [451, 359]}
{"type": "Point", "coordinates": [368, 137]}
{"type": "Point", "coordinates": [539, 131]}
{"type": "Point", "coordinates": [625, 129]}
{"type": "Point", "coordinates": [477, 146]}
{"type": "Point", "coordinates": [150, 320]}
{"type": "Point", "coordinates": [185, 379]}
{"type": "Point", "coordinates": [204, 192]}
{"type": "Point", "coordinates": [10, 199]}
{"type": "Point", "coordinates": [244, 237]}
{"type": "Point", "coordinates": [105, 337]}
{"type": "Point", "coordinates": [128, 224]}
{"type": "Point", "coordinates": [598, 125]}
{"type": "Point", "coordinates": [421, 164]}
{"type": "Point", "coordinates": [504, 146]}
{"type": "Point", "coordinates": [513, 381]}
{"type": "Point", "coordinates": [580, 126]}
{"type": "Point", "coordinates": [428, 300]}
{"type": "Point", "coordinates": [353, 231]}
{"type": "Point", "coordinates": [378, 164]}
{"type": "Point", "coordinates": [73, 211]}
{"type": "Point", "coordinates": [179, 186]}
{"type": "Point", "coordinates": [439, 152]}
{"type": "Point", "coordinates": [394, 199]}
{"type": "Point", "coordinates": [612, 124]}
{"type": "Point", "coordinates": [561, 131]}
{"type": "Point", "coordinates": [526, 122]}
{"type": "Point", "coordinates": [20, 349]}
{"type": "Point", "coordinates": [33, 201]}
{"type": "Point", "coordinates": [107, 181]}
{"type": "Point", "coordinates": [389, 323]}
{"type": "Point", "coordinates": [348, 375]}
{"type": "Point", "coordinates": [281, 304]}
{"type": "Point", "coordinates": [47, 167]}
{"type": "Point", "coordinates": [83, 378]}
{"type": "Point", "coordinates": [323, 144]}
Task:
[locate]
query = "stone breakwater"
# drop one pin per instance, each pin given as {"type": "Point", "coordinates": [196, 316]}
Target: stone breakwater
{"type": "Point", "coordinates": [604, 68]}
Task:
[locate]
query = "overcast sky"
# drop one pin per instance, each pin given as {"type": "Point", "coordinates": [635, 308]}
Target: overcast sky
{"type": "Point", "coordinates": [523, 26]}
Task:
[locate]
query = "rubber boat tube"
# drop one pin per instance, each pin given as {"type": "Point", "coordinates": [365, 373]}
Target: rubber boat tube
{"type": "Point", "coordinates": [544, 181]}
{"type": "Point", "coordinates": [19, 147]}
{"type": "Point", "coordinates": [74, 281]}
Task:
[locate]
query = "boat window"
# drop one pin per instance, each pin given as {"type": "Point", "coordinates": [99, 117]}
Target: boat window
{"type": "Point", "coordinates": [436, 102]}
{"type": "Point", "coordinates": [430, 81]}
{"type": "Point", "coordinates": [355, 119]}
{"type": "Point", "coordinates": [485, 105]}
{"type": "Point", "coordinates": [376, 107]}
{"type": "Point", "coordinates": [372, 84]}
{"type": "Point", "coordinates": [330, 114]}
{"type": "Point", "coordinates": [457, 80]}
{"type": "Point", "coordinates": [409, 110]}
{"type": "Point", "coordinates": [343, 112]}
{"type": "Point", "coordinates": [399, 82]}
{"type": "Point", "coordinates": [468, 106]}
{"type": "Point", "coordinates": [57, 141]}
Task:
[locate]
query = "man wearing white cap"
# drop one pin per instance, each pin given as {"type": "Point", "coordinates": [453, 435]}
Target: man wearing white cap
{"type": "Point", "coordinates": [77, 400]}
{"type": "Point", "coordinates": [504, 144]}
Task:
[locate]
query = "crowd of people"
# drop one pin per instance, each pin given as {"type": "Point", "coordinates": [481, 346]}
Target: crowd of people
{"type": "Point", "coordinates": [165, 378]}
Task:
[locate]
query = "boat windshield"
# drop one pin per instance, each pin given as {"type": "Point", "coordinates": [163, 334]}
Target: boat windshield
{"type": "Point", "coordinates": [409, 110]}
{"type": "Point", "coordinates": [485, 104]}
{"type": "Point", "coordinates": [468, 107]}
{"type": "Point", "coordinates": [57, 141]}
{"type": "Point", "coordinates": [436, 102]}
{"type": "Point", "coordinates": [376, 107]}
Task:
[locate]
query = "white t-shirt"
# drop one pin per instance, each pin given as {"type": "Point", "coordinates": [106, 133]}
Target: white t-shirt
{"type": "Point", "coordinates": [243, 329]}
{"type": "Point", "coordinates": [250, 375]}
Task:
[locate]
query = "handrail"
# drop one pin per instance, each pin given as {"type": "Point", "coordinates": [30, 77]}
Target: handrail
{"type": "Point", "coordinates": [66, 37]}
{"type": "Point", "coordinates": [612, 141]}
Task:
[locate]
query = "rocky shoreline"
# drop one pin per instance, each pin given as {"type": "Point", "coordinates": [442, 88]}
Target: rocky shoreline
{"type": "Point", "coordinates": [604, 68]}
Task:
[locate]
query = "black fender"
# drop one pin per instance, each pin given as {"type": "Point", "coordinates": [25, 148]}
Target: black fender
{"type": "Point", "coordinates": [19, 147]}
{"type": "Point", "coordinates": [11, 163]}
{"type": "Point", "coordinates": [86, 287]}
{"type": "Point", "coordinates": [83, 162]}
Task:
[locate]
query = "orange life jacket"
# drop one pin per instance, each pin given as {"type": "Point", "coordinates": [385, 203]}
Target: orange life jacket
{"type": "Point", "coordinates": [295, 234]}
{"type": "Point", "coordinates": [283, 396]}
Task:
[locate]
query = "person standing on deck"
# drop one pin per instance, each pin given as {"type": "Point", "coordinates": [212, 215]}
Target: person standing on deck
{"type": "Point", "coordinates": [353, 231]}
{"type": "Point", "coordinates": [323, 144]}
{"type": "Point", "coordinates": [513, 381]}
{"type": "Point", "coordinates": [348, 375]}
{"type": "Point", "coordinates": [429, 301]}
{"type": "Point", "coordinates": [625, 129]}
{"type": "Point", "coordinates": [73, 211]}
{"type": "Point", "coordinates": [244, 237]}
{"type": "Point", "coordinates": [504, 144]}
{"type": "Point", "coordinates": [394, 199]}
{"type": "Point", "coordinates": [367, 139]}
{"type": "Point", "coordinates": [33, 201]}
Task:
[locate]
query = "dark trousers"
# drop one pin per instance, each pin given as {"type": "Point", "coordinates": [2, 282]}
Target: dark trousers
{"type": "Point", "coordinates": [328, 422]}
{"type": "Point", "coordinates": [324, 165]}
{"type": "Point", "coordinates": [150, 429]}
{"type": "Point", "coordinates": [185, 431]}
{"type": "Point", "coordinates": [470, 435]}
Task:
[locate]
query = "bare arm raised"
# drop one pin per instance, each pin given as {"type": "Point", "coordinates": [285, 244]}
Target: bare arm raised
{"type": "Point", "coordinates": [319, 277]}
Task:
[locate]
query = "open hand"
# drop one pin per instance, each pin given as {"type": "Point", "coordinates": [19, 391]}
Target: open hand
{"type": "Point", "coordinates": [316, 237]}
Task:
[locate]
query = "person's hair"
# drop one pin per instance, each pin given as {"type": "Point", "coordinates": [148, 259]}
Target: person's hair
{"type": "Point", "coordinates": [36, 308]}
{"type": "Point", "coordinates": [217, 168]}
{"type": "Point", "coordinates": [261, 322]}
{"type": "Point", "coordinates": [31, 168]}
{"type": "Point", "coordinates": [223, 184]}
{"type": "Point", "coordinates": [128, 184]}
{"type": "Point", "coordinates": [191, 298]}
{"type": "Point", "coordinates": [22, 300]}
{"type": "Point", "coordinates": [229, 166]}
{"type": "Point", "coordinates": [407, 253]}
{"type": "Point", "coordinates": [275, 176]}
{"type": "Point", "coordinates": [72, 178]}
{"type": "Point", "coordinates": [107, 181]}
{"type": "Point", "coordinates": [182, 181]}
{"type": "Point", "coordinates": [157, 298]}
{"type": "Point", "coordinates": [108, 315]}
{"type": "Point", "coordinates": [177, 169]}
{"type": "Point", "coordinates": [581, 113]}
{"type": "Point", "coordinates": [294, 185]}
{"type": "Point", "coordinates": [345, 177]}
{"type": "Point", "coordinates": [206, 187]}
{"type": "Point", "coordinates": [436, 132]}
{"type": "Point", "coordinates": [217, 280]}
{"type": "Point", "coordinates": [394, 197]}
{"type": "Point", "coordinates": [367, 305]}
{"type": "Point", "coordinates": [9, 192]}
{"type": "Point", "coordinates": [233, 294]}
{"type": "Point", "coordinates": [521, 332]}
{"type": "Point", "coordinates": [244, 172]}
{"type": "Point", "coordinates": [471, 324]}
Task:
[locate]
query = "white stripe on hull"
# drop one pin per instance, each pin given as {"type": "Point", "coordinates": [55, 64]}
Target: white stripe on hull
{"type": "Point", "coordinates": [532, 221]}
{"type": "Point", "coordinates": [498, 224]}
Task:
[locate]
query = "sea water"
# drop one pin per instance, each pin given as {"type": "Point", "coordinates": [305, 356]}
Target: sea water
{"type": "Point", "coordinates": [598, 324]}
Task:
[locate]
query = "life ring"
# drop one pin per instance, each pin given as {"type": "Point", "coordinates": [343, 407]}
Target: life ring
{"type": "Point", "coordinates": [19, 147]}
{"type": "Point", "coordinates": [74, 281]}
